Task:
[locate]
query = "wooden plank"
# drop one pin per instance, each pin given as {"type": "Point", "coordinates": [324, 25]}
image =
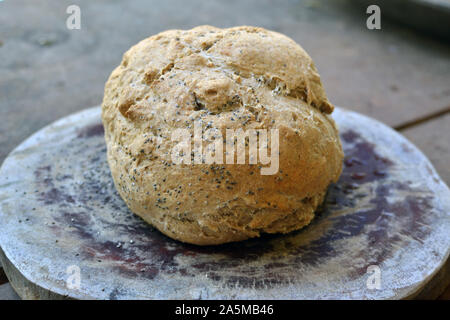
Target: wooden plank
{"type": "Point", "coordinates": [48, 71]}
{"type": "Point", "coordinates": [433, 138]}
{"type": "Point", "coordinates": [419, 121]}
{"type": "Point", "coordinates": [8, 293]}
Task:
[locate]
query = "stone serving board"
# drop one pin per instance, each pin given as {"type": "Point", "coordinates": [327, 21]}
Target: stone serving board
{"type": "Point", "coordinates": [59, 209]}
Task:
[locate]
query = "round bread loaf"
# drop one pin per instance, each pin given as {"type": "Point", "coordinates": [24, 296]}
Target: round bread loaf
{"type": "Point", "coordinates": [223, 79]}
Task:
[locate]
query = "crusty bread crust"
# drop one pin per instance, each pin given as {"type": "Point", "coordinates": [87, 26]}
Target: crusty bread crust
{"type": "Point", "coordinates": [242, 77]}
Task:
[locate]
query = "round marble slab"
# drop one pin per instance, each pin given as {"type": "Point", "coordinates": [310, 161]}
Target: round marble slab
{"type": "Point", "coordinates": [382, 233]}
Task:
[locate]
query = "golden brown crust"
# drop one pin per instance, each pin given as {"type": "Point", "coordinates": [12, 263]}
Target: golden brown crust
{"type": "Point", "coordinates": [243, 77]}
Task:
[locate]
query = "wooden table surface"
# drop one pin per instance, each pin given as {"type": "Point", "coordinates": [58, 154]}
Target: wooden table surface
{"type": "Point", "coordinates": [396, 75]}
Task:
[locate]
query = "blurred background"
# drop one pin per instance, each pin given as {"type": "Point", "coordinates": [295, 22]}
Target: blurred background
{"type": "Point", "coordinates": [399, 74]}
